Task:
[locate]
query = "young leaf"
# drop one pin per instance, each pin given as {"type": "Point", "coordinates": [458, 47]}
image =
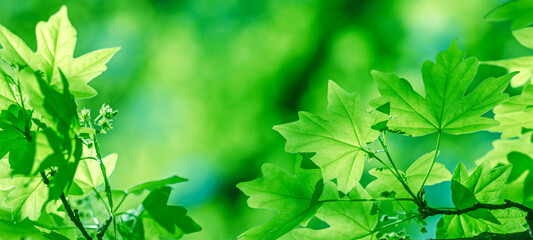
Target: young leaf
{"type": "Point", "coordinates": [516, 114]}
{"type": "Point", "coordinates": [56, 40]}
{"type": "Point", "coordinates": [292, 196]}
{"type": "Point", "coordinates": [339, 141]}
{"type": "Point", "coordinates": [89, 176]}
{"type": "Point", "coordinates": [417, 172]}
{"type": "Point", "coordinates": [347, 220]}
{"type": "Point", "coordinates": [484, 185]}
{"type": "Point", "coordinates": [445, 107]}
{"type": "Point", "coordinates": [470, 224]}
{"type": "Point", "coordinates": [153, 185]}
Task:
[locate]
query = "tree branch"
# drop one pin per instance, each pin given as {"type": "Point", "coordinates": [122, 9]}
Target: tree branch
{"type": "Point", "coordinates": [73, 215]}
{"type": "Point", "coordinates": [427, 211]}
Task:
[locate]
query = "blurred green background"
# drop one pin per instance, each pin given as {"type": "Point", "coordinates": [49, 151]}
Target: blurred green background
{"type": "Point", "coordinates": [200, 83]}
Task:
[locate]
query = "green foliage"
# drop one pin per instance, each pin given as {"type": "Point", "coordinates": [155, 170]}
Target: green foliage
{"type": "Point", "coordinates": [339, 142]}
{"type": "Point", "coordinates": [53, 180]}
{"type": "Point", "coordinates": [515, 115]}
{"type": "Point", "coordinates": [446, 107]}
{"type": "Point", "coordinates": [519, 12]}
{"type": "Point", "coordinates": [415, 174]}
{"type": "Point", "coordinates": [294, 197]}
{"type": "Point", "coordinates": [325, 199]}
{"type": "Point", "coordinates": [485, 186]}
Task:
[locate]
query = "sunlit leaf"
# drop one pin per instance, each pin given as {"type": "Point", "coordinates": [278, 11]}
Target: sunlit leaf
{"type": "Point", "coordinates": [446, 107]}
{"type": "Point", "coordinates": [338, 141]}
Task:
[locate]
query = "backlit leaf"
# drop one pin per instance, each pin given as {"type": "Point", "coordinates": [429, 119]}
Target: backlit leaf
{"type": "Point", "coordinates": [446, 107]}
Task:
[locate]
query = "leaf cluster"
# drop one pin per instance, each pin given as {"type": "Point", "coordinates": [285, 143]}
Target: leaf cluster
{"type": "Point", "coordinates": [53, 179]}
{"type": "Point", "coordinates": [324, 198]}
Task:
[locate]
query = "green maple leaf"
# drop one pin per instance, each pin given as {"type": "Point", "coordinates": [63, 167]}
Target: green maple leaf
{"type": "Point", "coordinates": [293, 197]}
{"type": "Point", "coordinates": [515, 115]}
{"type": "Point", "coordinates": [445, 107]}
{"type": "Point", "coordinates": [56, 40]}
{"type": "Point", "coordinates": [386, 182]}
{"type": "Point", "coordinates": [484, 185]}
{"type": "Point", "coordinates": [471, 225]}
{"type": "Point", "coordinates": [347, 220]}
{"type": "Point", "coordinates": [339, 141]}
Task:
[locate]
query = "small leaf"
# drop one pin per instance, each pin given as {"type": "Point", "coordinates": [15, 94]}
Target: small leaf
{"type": "Point", "coordinates": [484, 185]}
{"type": "Point", "coordinates": [470, 225]}
{"type": "Point", "coordinates": [417, 172]}
{"type": "Point", "coordinates": [294, 197]}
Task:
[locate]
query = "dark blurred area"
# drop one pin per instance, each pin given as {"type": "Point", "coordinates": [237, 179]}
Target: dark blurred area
{"type": "Point", "coordinates": [200, 83]}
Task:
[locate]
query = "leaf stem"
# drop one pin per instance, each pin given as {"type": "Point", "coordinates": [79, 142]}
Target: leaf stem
{"type": "Point", "coordinates": [121, 201]}
{"type": "Point", "coordinates": [386, 149]}
{"type": "Point", "coordinates": [419, 193]}
{"type": "Point", "coordinates": [99, 196]}
{"type": "Point", "coordinates": [416, 200]}
{"type": "Point", "coordinates": [106, 181]}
